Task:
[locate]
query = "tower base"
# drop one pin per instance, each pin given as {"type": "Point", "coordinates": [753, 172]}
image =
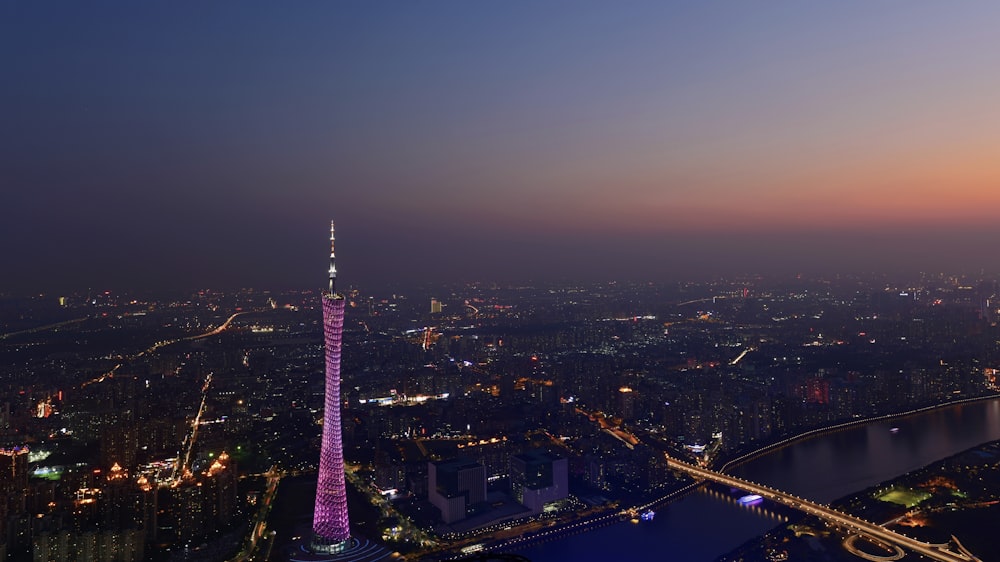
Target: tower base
{"type": "Point", "coordinates": [352, 550]}
{"type": "Point", "coordinates": [322, 545]}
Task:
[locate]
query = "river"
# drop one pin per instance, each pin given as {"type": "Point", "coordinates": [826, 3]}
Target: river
{"type": "Point", "coordinates": [703, 526]}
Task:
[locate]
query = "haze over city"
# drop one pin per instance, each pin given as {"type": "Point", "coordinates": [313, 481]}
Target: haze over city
{"type": "Point", "coordinates": [186, 145]}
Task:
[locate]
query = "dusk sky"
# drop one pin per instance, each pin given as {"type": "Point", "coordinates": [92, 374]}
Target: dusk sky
{"type": "Point", "coordinates": [188, 144]}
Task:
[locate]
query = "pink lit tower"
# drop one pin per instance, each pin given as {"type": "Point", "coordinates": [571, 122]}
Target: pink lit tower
{"type": "Point", "coordinates": [331, 529]}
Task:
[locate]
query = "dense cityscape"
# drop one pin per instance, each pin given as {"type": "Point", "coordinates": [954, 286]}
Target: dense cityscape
{"type": "Point", "coordinates": [623, 281]}
{"type": "Point", "coordinates": [476, 417]}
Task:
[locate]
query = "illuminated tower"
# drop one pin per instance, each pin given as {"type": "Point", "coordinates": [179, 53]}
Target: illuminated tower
{"type": "Point", "coordinates": [331, 529]}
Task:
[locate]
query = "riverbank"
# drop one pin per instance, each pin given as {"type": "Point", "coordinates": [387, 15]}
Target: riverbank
{"type": "Point", "coordinates": [700, 528]}
{"type": "Point", "coordinates": [744, 457]}
{"type": "Point", "coordinates": [958, 496]}
{"type": "Point", "coordinates": [527, 540]}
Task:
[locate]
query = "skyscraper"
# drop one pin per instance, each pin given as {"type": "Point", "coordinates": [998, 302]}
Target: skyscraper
{"type": "Point", "coordinates": [331, 529]}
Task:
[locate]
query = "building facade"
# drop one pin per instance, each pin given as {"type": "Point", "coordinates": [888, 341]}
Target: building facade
{"type": "Point", "coordinates": [537, 478]}
{"type": "Point", "coordinates": [454, 486]}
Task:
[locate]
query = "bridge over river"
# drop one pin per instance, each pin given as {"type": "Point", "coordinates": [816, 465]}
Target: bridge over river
{"type": "Point", "coordinates": [876, 533]}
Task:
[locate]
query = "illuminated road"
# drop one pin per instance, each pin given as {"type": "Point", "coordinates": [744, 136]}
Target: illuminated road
{"type": "Point", "coordinates": [163, 343]}
{"type": "Point", "coordinates": [897, 553]}
{"type": "Point", "coordinates": [741, 356]}
{"type": "Point", "coordinates": [183, 464]}
{"type": "Point", "coordinates": [42, 328]}
{"type": "Point", "coordinates": [707, 299]}
{"type": "Point", "coordinates": [222, 327]}
{"type": "Point", "coordinates": [837, 518]}
{"type": "Point", "coordinates": [259, 534]}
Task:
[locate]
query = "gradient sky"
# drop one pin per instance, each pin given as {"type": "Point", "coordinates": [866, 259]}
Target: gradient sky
{"type": "Point", "coordinates": [189, 144]}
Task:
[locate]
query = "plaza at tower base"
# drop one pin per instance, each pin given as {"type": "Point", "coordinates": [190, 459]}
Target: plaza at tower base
{"type": "Point", "coordinates": [354, 549]}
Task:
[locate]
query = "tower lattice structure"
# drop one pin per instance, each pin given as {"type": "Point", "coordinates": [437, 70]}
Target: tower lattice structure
{"type": "Point", "coordinates": [331, 528]}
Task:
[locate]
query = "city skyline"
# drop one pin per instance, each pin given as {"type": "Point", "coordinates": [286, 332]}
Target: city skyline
{"type": "Point", "coordinates": [815, 388]}
{"type": "Point", "coordinates": [183, 146]}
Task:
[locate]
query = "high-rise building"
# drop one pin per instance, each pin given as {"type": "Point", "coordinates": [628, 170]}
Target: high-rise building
{"type": "Point", "coordinates": [185, 519]}
{"type": "Point", "coordinates": [453, 486]}
{"type": "Point", "coordinates": [331, 528]}
{"type": "Point", "coordinates": [13, 495]}
{"type": "Point", "coordinates": [537, 478]}
{"type": "Point", "coordinates": [119, 441]}
{"type": "Point", "coordinates": [626, 403]}
{"type": "Point", "coordinates": [14, 478]}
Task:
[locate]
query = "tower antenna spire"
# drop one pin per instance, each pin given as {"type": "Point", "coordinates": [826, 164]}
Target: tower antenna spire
{"type": "Point", "coordinates": [333, 263]}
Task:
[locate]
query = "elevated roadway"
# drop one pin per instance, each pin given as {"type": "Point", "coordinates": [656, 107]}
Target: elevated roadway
{"type": "Point", "coordinates": [836, 518]}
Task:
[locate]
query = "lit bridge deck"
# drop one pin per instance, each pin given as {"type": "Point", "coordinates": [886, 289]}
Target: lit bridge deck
{"type": "Point", "coordinates": [839, 519]}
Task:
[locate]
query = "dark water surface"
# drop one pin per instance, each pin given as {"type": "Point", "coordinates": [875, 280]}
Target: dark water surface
{"type": "Point", "coordinates": [703, 526]}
